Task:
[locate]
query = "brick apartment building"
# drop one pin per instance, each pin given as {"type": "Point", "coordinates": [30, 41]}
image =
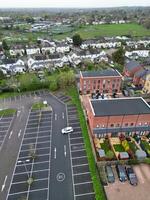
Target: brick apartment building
{"type": "Point", "coordinates": [105, 81]}
{"type": "Point", "coordinates": [114, 116]}
{"type": "Point", "coordinates": [131, 68]}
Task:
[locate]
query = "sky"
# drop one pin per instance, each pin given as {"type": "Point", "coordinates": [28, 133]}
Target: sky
{"type": "Point", "coordinates": [71, 3]}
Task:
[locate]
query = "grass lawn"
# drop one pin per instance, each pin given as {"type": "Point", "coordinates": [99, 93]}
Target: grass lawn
{"type": "Point", "coordinates": [133, 146]}
{"type": "Point", "coordinates": [98, 188]}
{"type": "Point", "coordinates": [7, 112]}
{"type": "Point", "coordinates": [118, 147]}
{"type": "Point", "coordinates": [8, 94]}
{"type": "Point", "coordinates": [105, 146]}
{"type": "Point", "coordinates": [38, 106]}
{"type": "Point", "coordinates": [95, 31]}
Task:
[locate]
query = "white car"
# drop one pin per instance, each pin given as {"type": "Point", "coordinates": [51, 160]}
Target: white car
{"type": "Point", "coordinates": [67, 130]}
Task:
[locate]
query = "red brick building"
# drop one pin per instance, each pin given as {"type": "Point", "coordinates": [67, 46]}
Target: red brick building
{"type": "Point", "coordinates": [114, 116]}
{"type": "Point", "coordinates": [131, 68]}
{"type": "Point", "coordinates": [105, 81]}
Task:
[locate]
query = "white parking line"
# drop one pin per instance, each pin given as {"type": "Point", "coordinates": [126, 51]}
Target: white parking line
{"type": "Point", "coordinates": [84, 194]}
{"type": "Point", "coordinates": [83, 183]}
{"type": "Point", "coordinates": [76, 138]}
{"type": "Point", "coordinates": [34, 171]}
{"type": "Point", "coordinates": [26, 191]}
{"type": "Point", "coordinates": [36, 149]}
{"type": "Point", "coordinates": [63, 116]}
{"type": "Point", "coordinates": [34, 163]}
{"type": "Point", "coordinates": [65, 152]}
{"type": "Point", "coordinates": [19, 134]}
{"type": "Point", "coordinates": [78, 150]}
{"type": "Point", "coordinates": [70, 159]}
{"type": "Point", "coordinates": [80, 165]}
{"type": "Point", "coordinates": [55, 116]}
{"type": "Point", "coordinates": [79, 174]}
{"type": "Point", "coordinates": [4, 183]}
{"type": "Point", "coordinates": [55, 152]}
{"type": "Point", "coordinates": [77, 144]}
{"type": "Point", "coordinates": [34, 143]}
{"type": "Point", "coordinates": [17, 158]}
{"type": "Point", "coordinates": [10, 134]}
{"type": "Point", "coordinates": [36, 180]}
{"type": "Point", "coordinates": [79, 157]}
{"type": "Point", "coordinates": [45, 136]}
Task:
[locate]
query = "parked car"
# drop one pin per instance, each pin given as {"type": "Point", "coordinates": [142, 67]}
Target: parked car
{"type": "Point", "coordinates": [131, 176]}
{"type": "Point", "coordinates": [121, 172]}
{"type": "Point", "coordinates": [110, 174]}
{"type": "Point", "coordinates": [67, 130]}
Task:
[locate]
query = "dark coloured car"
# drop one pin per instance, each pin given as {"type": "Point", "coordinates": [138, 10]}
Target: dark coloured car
{"type": "Point", "coordinates": [131, 176]}
{"type": "Point", "coordinates": [110, 174]}
{"type": "Point", "coordinates": [121, 173]}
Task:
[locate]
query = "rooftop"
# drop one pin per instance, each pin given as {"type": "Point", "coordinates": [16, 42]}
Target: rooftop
{"type": "Point", "coordinates": [107, 72]}
{"type": "Point", "coordinates": [132, 64]}
{"type": "Point", "coordinates": [116, 107]}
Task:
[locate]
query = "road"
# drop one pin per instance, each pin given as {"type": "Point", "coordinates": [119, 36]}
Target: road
{"type": "Point", "coordinates": [60, 170]}
{"type": "Point", "coordinates": [61, 186]}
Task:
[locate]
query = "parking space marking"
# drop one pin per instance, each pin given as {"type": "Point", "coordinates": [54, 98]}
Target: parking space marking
{"type": "Point", "coordinates": [76, 138]}
{"type": "Point", "coordinates": [11, 194]}
{"type": "Point", "coordinates": [19, 133]}
{"type": "Point", "coordinates": [4, 183]}
{"type": "Point", "coordinates": [70, 157]}
{"type": "Point", "coordinates": [78, 174]}
{"type": "Point", "coordinates": [79, 157]}
{"type": "Point", "coordinates": [84, 194]}
{"type": "Point", "coordinates": [55, 152]}
{"type": "Point", "coordinates": [10, 134]}
{"type": "Point", "coordinates": [77, 144]}
{"type": "Point", "coordinates": [83, 183]}
{"type": "Point", "coordinates": [36, 180]}
{"type": "Point", "coordinates": [6, 133]}
{"type": "Point", "coordinates": [80, 165]}
{"type": "Point", "coordinates": [17, 158]}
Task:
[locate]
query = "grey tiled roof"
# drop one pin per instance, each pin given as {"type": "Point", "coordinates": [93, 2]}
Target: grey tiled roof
{"type": "Point", "coordinates": [116, 107]}
{"type": "Point", "coordinates": [107, 72]}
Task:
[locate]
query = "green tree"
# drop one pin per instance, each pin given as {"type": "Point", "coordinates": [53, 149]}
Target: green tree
{"type": "Point", "coordinates": [110, 154]}
{"type": "Point", "coordinates": [77, 40]}
{"type": "Point", "coordinates": [1, 75]}
{"type": "Point", "coordinates": [5, 45]}
{"type": "Point", "coordinates": [118, 56]}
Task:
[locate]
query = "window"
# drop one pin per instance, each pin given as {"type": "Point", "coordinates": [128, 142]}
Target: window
{"type": "Point", "coordinates": [113, 85]}
{"type": "Point", "coordinates": [126, 124]}
{"type": "Point", "coordinates": [104, 81]}
{"type": "Point", "coordinates": [117, 125]}
{"type": "Point", "coordinates": [103, 126]}
{"type": "Point", "coordinates": [131, 124]}
{"type": "Point", "coordinates": [99, 81]}
{"type": "Point", "coordinates": [112, 125]}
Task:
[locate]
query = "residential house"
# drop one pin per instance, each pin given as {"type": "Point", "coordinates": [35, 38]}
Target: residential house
{"type": "Point", "coordinates": [139, 77]}
{"type": "Point", "coordinates": [146, 88]}
{"type": "Point", "coordinates": [32, 50]}
{"type": "Point", "coordinates": [128, 116]}
{"type": "Point", "coordinates": [131, 68]}
{"type": "Point", "coordinates": [62, 48]}
{"type": "Point", "coordinates": [105, 81]}
{"type": "Point", "coordinates": [17, 51]}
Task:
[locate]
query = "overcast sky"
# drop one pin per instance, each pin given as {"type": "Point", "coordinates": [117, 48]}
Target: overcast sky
{"type": "Point", "coordinates": [71, 3]}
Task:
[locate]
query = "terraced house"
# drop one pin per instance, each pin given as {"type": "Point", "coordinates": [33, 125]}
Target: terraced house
{"type": "Point", "coordinates": [105, 81]}
{"type": "Point", "coordinates": [112, 117]}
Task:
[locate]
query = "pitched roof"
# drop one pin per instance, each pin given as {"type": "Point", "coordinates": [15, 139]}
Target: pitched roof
{"type": "Point", "coordinates": [107, 72]}
{"type": "Point", "coordinates": [141, 73]}
{"type": "Point", "coordinates": [132, 64]}
{"type": "Point", "coordinates": [117, 107]}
